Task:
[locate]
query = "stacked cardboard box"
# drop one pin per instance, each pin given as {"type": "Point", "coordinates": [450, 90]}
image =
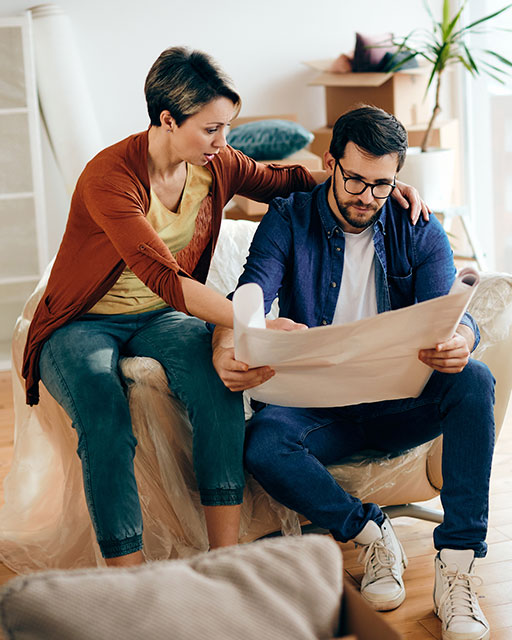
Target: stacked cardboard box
{"type": "Point", "coordinates": [359, 622]}
{"type": "Point", "coordinates": [250, 209]}
{"type": "Point", "coordinates": [445, 134]}
{"type": "Point", "coordinates": [304, 157]}
{"type": "Point", "coordinates": [399, 93]}
{"type": "Point", "coordinates": [402, 94]}
{"type": "Point", "coordinates": [321, 142]}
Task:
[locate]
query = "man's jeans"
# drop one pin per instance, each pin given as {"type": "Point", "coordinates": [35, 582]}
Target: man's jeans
{"type": "Point", "coordinates": [287, 448]}
{"type": "Point", "coordinates": [79, 367]}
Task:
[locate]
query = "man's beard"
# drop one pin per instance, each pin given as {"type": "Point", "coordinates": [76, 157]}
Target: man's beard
{"type": "Point", "coordinates": [356, 222]}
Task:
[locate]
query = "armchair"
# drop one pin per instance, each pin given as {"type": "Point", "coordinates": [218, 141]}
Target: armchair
{"type": "Point", "coordinates": [45, 523]}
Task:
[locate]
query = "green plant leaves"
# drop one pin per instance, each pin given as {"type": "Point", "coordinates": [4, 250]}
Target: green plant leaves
{"type": "Point", "coordinates": [471, 26]}
{"type": "Point", "coordinates": [500, 58]}
{"type": "Point", "coordinates": [445, 45]}
{"type": "Point", "coordinates": [472, 65]}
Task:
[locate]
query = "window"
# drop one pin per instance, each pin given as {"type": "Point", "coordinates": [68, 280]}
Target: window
{"type": "Point", "coordinates": [488, 111]}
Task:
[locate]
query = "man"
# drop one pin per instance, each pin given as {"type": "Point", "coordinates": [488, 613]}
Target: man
{"type": "Point", "coordinates": [343, 252]}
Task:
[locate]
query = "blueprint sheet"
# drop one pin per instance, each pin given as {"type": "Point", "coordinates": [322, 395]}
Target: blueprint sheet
{"type": "Point", "coordinates": [365, 361]}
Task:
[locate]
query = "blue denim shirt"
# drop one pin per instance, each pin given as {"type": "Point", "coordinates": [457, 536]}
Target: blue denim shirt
{"type": "Point", "coordinates": [298, 249]}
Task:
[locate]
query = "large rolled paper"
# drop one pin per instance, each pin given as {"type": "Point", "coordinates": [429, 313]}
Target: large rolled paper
{"type": "Point", "coordinates": [249, 311]}
{"type": "Point", "coordinates": [466, 281]}
{"type": "Point", "coordinates": [365, 361]}
{"type": "Point", "coordinates": [65, 101]}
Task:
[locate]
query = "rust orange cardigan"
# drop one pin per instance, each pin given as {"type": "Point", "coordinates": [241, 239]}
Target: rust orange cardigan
{"type": "Point", "coordinates": [107, 230]}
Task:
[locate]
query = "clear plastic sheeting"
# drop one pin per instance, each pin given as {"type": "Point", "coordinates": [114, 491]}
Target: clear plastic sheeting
{"type": "Point", "coordinates": [370, 473]}
{"type": "Point", "coordinates": [493, 308]}
{"type": "Point", "coordinates": [44, 522]}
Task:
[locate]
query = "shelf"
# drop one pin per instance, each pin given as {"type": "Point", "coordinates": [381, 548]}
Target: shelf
{"type": "Point", "coordinates": [20, 280]}
{"type": "Point", "coordinates": [11, 110]}
{"type": "Point", "coordinates": [16, 196]}
{"type": "Point", "coordinates": [23, 233]}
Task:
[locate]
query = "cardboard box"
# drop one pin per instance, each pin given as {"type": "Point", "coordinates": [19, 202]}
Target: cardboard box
{"type": "Point", "coordinates": [246, 209]}
{"type": "Point", "coordinates": [360, 622]}
{"type": "Point", "coordinates": [303, 157]}
{"type": "Point", "coordinates": [321, 142]}
{"type": "Point", "coordinates": [401, 93]}
{"type": "Point", "coordinates": [235, 213]}
{"type": "Point", "coordinates": [445, 134]}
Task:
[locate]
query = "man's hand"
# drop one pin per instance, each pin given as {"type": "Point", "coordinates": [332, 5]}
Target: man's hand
{"type": "Point", "coordinates": [450, 356]}
{"type": "Point", "coordinates": [408, 196]}
{"type": "Point", "coordinates": [284, 324]}
{"type": "Point", "coordinates": [234, 374]}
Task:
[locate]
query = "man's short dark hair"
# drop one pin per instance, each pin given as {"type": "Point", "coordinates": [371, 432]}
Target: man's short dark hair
{"type": "Point", "coordinates": [372, 129]}
{"type": "Point", "coordinates": [182, 82]}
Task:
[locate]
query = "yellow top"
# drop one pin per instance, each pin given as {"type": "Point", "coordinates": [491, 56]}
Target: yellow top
{"type": "Point", "coordinates": [129, 294]}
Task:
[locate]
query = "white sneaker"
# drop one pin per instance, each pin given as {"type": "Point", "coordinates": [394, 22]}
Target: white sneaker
{"type": "Point", "coordinates": [455, 602]}
{"type": "Point", "coordinates": [384, 563]}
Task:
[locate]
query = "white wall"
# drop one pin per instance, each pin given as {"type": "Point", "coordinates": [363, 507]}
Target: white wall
{"type": "Point", "coordinates": [259, 44]}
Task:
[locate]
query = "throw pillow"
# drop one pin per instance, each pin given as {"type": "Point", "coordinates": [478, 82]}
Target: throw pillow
{"type": "Point", "coordinates": [286, 588]}
{"type": "Point", "coordinates": [369, 51]}
{"type": "Point", "coordinates": [269, 139]}
{"type": "Point", "coordinates": [391, 59]}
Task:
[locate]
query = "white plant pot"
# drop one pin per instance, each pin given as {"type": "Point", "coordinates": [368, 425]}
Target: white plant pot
{"type": "Point", "coordinates": [432, 173]}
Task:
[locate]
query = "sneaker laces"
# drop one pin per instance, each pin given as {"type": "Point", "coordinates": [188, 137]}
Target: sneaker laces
{"type": "Point", "coordinates": [459, 597]}
{"type": "Point", "coordinates": [378, 560]}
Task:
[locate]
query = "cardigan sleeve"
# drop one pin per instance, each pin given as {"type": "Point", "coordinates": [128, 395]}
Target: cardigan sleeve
{"type": "Point", "coordinates": [243, 175]}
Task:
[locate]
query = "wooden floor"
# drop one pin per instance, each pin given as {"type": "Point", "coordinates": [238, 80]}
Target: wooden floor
{"type": "Point", "coordinates": [414, 619]}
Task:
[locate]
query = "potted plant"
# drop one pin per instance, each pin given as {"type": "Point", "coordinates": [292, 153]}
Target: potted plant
{"type": "Point", "coordinates": [441, 47]}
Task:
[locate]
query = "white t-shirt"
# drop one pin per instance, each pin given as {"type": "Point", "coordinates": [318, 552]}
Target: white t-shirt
{"type": "Point", "coordinates": [357, 297]}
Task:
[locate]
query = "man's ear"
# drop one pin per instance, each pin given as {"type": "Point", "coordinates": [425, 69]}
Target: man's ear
{"type": "Point", "coordinates": [329, 163]}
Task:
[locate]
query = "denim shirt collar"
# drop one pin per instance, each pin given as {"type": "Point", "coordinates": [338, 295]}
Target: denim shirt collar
{"type": "Point", "coordinates": [329, 221]}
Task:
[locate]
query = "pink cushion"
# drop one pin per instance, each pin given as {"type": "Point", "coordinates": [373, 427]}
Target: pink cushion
{"type": "Point", "coordinates": [369, 51]}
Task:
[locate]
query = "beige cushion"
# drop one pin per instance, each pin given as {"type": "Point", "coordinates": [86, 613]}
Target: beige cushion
{"type": "Point", "coordinates": [277, 588]}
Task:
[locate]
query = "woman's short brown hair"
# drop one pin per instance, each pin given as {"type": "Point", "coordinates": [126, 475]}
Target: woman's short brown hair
{"type": "Point", "coordinates": [182, 82]}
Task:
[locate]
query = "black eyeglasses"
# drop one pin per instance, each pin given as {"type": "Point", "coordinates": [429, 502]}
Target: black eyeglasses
{"type": "Point", "coordinates": [356, 186]}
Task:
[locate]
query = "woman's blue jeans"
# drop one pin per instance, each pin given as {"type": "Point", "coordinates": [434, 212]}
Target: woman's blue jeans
{"type": "Point", "coordinates": [79, 367]}
{"type": "Point", "coordinates": [287, 450]}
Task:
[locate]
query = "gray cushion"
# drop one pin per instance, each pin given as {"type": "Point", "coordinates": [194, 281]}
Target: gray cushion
{"type": "Point", "coordinates": [278, 588]}
{"type": "Point", "coordinates": [269, 139]}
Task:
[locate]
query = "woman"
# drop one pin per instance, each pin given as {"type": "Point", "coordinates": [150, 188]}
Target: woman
{"type": "Point", "coordinates": [128, 280]}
